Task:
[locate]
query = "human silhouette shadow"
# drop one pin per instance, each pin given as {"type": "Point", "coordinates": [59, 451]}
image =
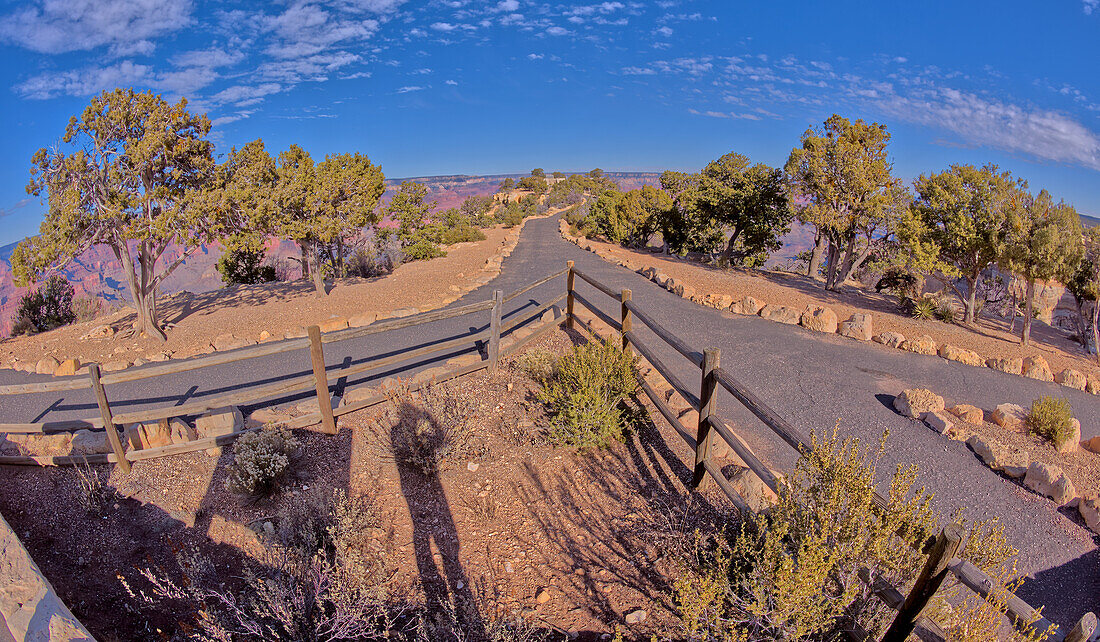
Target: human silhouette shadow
{"type": "Point", "coordinates": [418, 437]}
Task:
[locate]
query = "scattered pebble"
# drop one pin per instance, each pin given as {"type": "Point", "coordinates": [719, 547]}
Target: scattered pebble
{"type": "Point", "coordinates": [543, 596]}
{"type": "Point", "coordinates": [472, 466]}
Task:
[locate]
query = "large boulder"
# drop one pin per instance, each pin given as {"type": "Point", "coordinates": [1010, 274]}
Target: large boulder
{"type": "Point", "coordinates": [89, 442]}
{"type": "Point", "coordinates": [819, 319]}
{"type": "Point", "coordinates": [360, 320]}
{"type": "Point", "coordinates": [1073, 443]}
{"type": "Point", "coordinates": [222, 421]}
{"type": "Point", "coordinates": [684, 290]}
{"type": "Point", "coordinates": [858, 326]}
{"type": "Point", "coordinates": [890, 339]}
{"type": "Point", "coordinates": [1011, 366]}
{"type": "Point", "coordinates": [1092, 445]}
{"type": "Point", "coordinates": [923, 344]}
{"type": "Point", "coordinates": [747, 305]}
{"type": "Point", "coordinates": [780, 314]}
{"type": "Point", "coordinates": [1010, 416]}
{"type": "Point", "coordinates": [1090, 512]}
{"type": "Point", "coordinates": [962, 355]}
{"type": "Point", "coordinates": [1050, 481]}
{"type": "Point", "coordinates": [149, 435]}
{"type": "Point", "coordinates": [1011, 461]}
{"type": "Point", "coordinates": [69, 367]}
{"type": "Point", "coordinates": [969, 414]}
{"type": "Point", "coordinates": [1037, 368]}
{"type": "Point", "coordinates": [1045, 299]}
{"type": "Point", "coordinates": [181, 431]}
{"type": "Point", "coordinates": [47, 365]}
{"type": "Point", "coordinates": [1093, 385]}
{"type": "Point", "coordinates": [914, 402]}
{"type": "Point", "coordinates": [1071, 378]}
{"type": "Point", "coordinates": [333, 324]}
{"type": "Point", "coordinates": [229, 341]}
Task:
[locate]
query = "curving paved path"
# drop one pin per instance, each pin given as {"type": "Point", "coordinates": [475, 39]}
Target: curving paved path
{"type": "Point", "coordinates": [813, 380]}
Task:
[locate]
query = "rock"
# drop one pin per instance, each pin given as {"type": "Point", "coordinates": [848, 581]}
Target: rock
{"type": "Point", "coordinates": [1092, 386]}
{"type": "Point", "coordinates": [543, 596]}
{"type": "Point", "coordinates": [332, 325]}
{"type": "Point", "coordinates": [355, 395]}
{"type": "Point", "coordinates": [214, 452]}
{"type": "Point", "coordinates": [890, 339]}
{"type": "Point", "coordinates": [67, 368]}
{"type": "Point", "coordinates": [1049, 481]}
{"type": "Point", "coordinates": [360, 320]}
{"type": "Point", "coordinates": [1090, 512]}
{"type": "Point", "coordinates": [115, 365]}
{"type": "Point", "coordinates": [819, 319]}
{"type": "Point", "coordinates": [1010, 416]}
{"type": "Point", "coordinates": [265, 336]}
{"type": "Point", "coordinates": [47, 365]}
{"type": "Point", "coordinates": [1044, 300]}
{"type": "Point", "coordinates": [1011, 366]}
{"type": "Point", "coordinates": [635, 617]}
{"type": "Point", "coordinates": [88, 442]}
{"type": "Point", "coordinates": [1092, 445]}
{"type": "Point", "coordinates": [548, 316]}
{"type": "Point", "coordinates": [969, 414]}
{"type": "Point", "coordinates": [222, 421]}
{"type": "Point", "coordinates": [1037, 368]}
{"type": "Point", "coordinates": [264, 416]}
{"type": "Point", "coordinates": [721, 302]}
{"type": "Point", "coordinates": [684, 291]}
{"type": "Point", "coordinates": [100, 332]}
{"type": "Point", "coordinates": [158, 356]}
{"type": "Point", "coordinates": [296, 333]}
{"type": "Point", "coordinates": [661, 279]}
{"type": "Point", "coordinates": [938, 421]}
{"type": "Point", "coordinates": [472, 466]}
{"type": "Point", "coordinates": [181, 431]}
{"type": "Point", "coordinates": [1000, 457]}
{"type": "Point", "coordinates": [1071, 378]}
{"type": "Point", "coordinates": [230, 342]}
{"type": "Point", "coordinates": [1072, 444]}
{"type": "Point", "coordinates": [858, 326]}
{"type": "Point", "coordinates": [962, 355]}
{"type": "Point", "coordinates": [747, 305]}
{"type": "Point", "coordinates": [923, 344]}
{"type": "Point", "coordinates": [914, 402]}
{"type": "Point", "coordinates": [156, 434]}
{"type": "Point", "coordinates": [780, 314]}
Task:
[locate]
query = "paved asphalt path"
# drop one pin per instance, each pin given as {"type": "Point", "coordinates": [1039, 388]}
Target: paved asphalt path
{"type": "Point", "coordinates": [815, 381]}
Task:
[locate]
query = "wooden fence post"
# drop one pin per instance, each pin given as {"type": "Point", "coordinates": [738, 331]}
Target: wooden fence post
{"type": "Point", "coordinates": [494, 330]}
{"type": "Point", "coordinates": [1084, 630]}
{"type": "Point", "coordinates": [569, 296]}
{"type": "Point", "coordinates": [708, 397]}
{"type": "Point", "coordinates": [947, 546]}
{"type": "Point", "coordinates": [320, 377]}
{"type": "Point", "coordinates": [627, 319]}
{"type": "Point", "coordinates": [108, 420]}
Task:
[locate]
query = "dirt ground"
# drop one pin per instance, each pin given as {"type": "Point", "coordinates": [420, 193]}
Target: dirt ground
{"type": "Point", "coordinates": [510, 517]}
{"type": "Point", "coordinates": [277, 308]}
{"type": "Point", "coordinates": [990, 338]}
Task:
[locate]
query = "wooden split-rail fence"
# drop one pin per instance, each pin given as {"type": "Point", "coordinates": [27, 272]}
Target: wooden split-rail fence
{"type": "Point", "coordinates": [317, 381]}
{"type": "Point", "coordinates": [944, 552]}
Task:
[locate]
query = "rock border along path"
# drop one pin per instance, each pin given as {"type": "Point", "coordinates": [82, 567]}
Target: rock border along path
{"type": "Point", "coordinates": [812, 378]}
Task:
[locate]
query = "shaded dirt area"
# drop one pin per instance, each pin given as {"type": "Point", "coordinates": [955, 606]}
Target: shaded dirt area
{"type": "Point", "coordinates": [990, 337]}
{"type": "Point", "coordinates": [248, 310]}
{"type": "Point", "coordinates": [509, 517]}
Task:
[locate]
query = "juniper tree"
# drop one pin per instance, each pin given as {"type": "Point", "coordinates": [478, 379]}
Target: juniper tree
{"type": "Point", "coordinates": [127, 174]}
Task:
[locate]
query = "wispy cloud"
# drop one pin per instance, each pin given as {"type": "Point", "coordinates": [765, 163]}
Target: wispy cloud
{"type": "Point", "coordinates": [410, 88]}
{"type": "Point", "coordinates": [1091, 5]}
{"type": "Point", "coordinates": [54, 26]}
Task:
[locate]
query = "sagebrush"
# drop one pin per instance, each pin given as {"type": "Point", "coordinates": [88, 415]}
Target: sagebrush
{"type": "Point", "coordinates": [260, 460]}
{"type": "Point", "coordinates": [1052, 419]}
{"type": "Point", "coordinates": [583, 394]}
{"type": "Point", "coordinates": [48, 307]}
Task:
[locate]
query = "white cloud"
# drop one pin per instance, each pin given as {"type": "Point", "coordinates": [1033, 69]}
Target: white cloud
{"type": "Point", "coordinates": [664, 31]}
{"type": "Point", "coordinates": [558, 31]}
{"type": "Point", "coordinates": [211, 58]}
{"type": "Point", "coordinates": [1091, 5]}
{"type": "Point", "coordinates": [450, 82]}
{"type": "Point", "coordinates": [638, 71]}
{"type": "Point", "coordinates": [535, 56]}
{"type": "Point", "coordinates": [58, 26]}
{"type": "Point", "coordinates": [508, 5]}
{"type": "Point", "coordinates": [410, 88]}
{"type": "Point", "coordinates": [241, 94]}
{"type": "Point", "coordinates": [84, 82]}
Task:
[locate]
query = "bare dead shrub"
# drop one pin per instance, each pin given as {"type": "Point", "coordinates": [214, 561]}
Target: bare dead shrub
{"type": "Point", "coordinates": [432, 430]}
{"type": "Point", "coordinates": [95, 497]}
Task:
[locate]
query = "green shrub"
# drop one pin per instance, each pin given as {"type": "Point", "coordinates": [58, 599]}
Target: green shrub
{"type": "Point", "coordinates": [583, 393]}
{"type": "Point", "coordinates": [260, 460]}
{"type": "Point", "coordinates": [423, 250]}
{"type": "Point", "coordinates": [462, 234]}
{"type": "Point", "coordinates": [48, 307]}
{"type": "Point", "coordinates": [946, 313]}
{"type": "Point", "coordinates": [243, 264]}
{"type": "Point", "coordinates": [1052, 419]}
{"type": "Point", "coordinates": [924, 308]}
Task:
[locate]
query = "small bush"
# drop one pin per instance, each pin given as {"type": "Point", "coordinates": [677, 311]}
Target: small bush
{"type": "Point", "coordinates": [48, 307]}
{"type": "Point", "coordinates": [95, 496]}
{"type": "Point", "coordinates": [243, 264]}
{"type": "Point", "coordinates": [583, 394]}
{"type": "Point", "coordinates": [260, 460]}
{"type": "Point", "coordinates": [423, 250]}
{"type": "Point", "coordinates": [1052, 419]}
{"type": "Point", "coordinates": [432, 431]}
{"type": "Point", "coordinates": [924, 308]}
{"type": "Point", "coordinates": [946, 313]}
{"type": "Point", "coordinates": [898, 282]}
{"type": "Point", "coordinates": [86, 308]}
{"type": "Point", "coordinates": [512, 216]}
{"type": "Point", "coordinates": [463, 234]}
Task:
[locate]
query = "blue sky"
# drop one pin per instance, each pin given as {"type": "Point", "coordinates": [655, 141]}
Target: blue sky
{"type": "Point", "coordinates": [475, 86]}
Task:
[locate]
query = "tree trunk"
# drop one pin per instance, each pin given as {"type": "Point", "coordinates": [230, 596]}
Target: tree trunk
{"type": "Point", "coordinates": [304, 248]}
{"type": "Point", "coordinates": [814, 265]}
{"type": "Point", "coordinates": [853, 261]}
{"type": "Point", "coordinates": [1025, 336]}
{"type": "Point", "coordinates": [730, 245]}
{"type": "Point", "coordinates": [1096, 328]}
{"type": "Point", "coordinates": [317, 272]}
{"type": "Point", "coordinates": [1082, 324]}
{"type": "Point", "coordinates": [144, 304]}
{"type": "Point", "coordinates": [1012, 317]}
{"type": "Point", "coordinates": [340, 270]}
{"type": "Point", "coordinates": [970, 304]}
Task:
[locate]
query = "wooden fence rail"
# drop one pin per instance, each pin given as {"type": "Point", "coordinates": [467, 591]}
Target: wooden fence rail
{"type": "Point", "coordinates": [317, 380]}
{"type": "Point", "coordinates": [941, 551]}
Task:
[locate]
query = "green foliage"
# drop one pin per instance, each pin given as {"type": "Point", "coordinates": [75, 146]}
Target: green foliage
{"type": "Point", "coordinates": [48, 307]}
{"type": "Point", "coordinates": [260, 460]}
{"type": "Point", "coordinates": [476, 210]}
{"type": "Point", "coordinates": [243, 260]}
{"type": "Point", "coordinates": [511, 214]}
{"type": "Point", "coordinates": [507, 185]}
{"type": "Point", "coordinates": [88, 307]}
{"type": "Point", "coordinates": [584, 392]}
{"type": "Point", "coordinates": [957, 226]}
{"type": "Point", "coordinates": [925, 308]}
{"type": "Point", "coordinates": [534, 184]}
{"type": "Point", "coordinates": [411, 210]}
{"type": "Point", "coordinates": [840, 178]}
{"type": "Point", "coordinates": [129, 173]}
{"type": "Point", "coordinates": [898, 282]}
{"type": "Point", "coordinates": [1052, 419]}
{"type": "Point", "coordinates": [946, 312]}
{"type": "Point", "coordinates": [462, 234]}
{"type": "Point", "coordinates": [423, 250]}
{"type": "Point", "coordinates": [631, 218]}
